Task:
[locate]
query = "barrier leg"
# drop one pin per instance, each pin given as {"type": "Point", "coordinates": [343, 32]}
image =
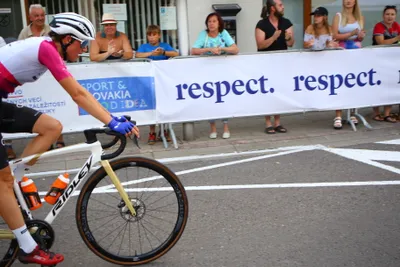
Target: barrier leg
{"type": "Point", "coordinates": [163, 136]}
{"type": "Point", "coordinates": [364, 121]}
{"type": "Point", "coordinates": [350, 121]}
{"type": "Point", "coordinates": [188, 131]}
{"type": "Point", "coordinates": [173, 136]}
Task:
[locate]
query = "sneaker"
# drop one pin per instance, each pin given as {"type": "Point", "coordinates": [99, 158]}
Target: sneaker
{"type": "Point", "coordinates": [40, 256]}
{"type": "Point", "coordinates": [166, 134]}
{"type": "Point", "coordinates": [152, 139]}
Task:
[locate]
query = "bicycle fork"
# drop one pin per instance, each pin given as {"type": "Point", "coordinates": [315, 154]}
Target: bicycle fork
{"type": "Point", "coordinates": [117, 183]}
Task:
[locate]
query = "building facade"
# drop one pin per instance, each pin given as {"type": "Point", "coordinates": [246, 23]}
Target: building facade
{"type": "Point", "coordinates": [182, 20]}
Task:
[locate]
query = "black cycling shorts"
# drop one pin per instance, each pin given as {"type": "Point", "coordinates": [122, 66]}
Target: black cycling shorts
{"type": "Point", "coordinates": [15, 119]}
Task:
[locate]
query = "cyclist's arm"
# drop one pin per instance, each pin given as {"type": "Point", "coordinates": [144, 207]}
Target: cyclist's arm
{"type": "Point", "coordinates": [85, 100]}
{"type": "Point", "coordinates": [49, 56]}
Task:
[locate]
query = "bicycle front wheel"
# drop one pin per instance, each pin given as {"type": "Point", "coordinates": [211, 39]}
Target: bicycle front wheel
{"type": "Point", "coordinates": [111, 232]}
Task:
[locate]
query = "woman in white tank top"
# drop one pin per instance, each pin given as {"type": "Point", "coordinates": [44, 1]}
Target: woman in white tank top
{"type": "Point", "coordinates": [348, 28]}
{"type": "Point", "coordinates": [348, 25]}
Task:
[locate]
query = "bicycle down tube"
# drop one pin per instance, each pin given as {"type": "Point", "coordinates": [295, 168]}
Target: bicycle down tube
{"type": "Point", "coordinates": [94, 158]}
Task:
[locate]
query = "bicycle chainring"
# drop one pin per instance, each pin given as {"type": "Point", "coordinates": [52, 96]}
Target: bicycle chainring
{"type": "Point", "coordinates": [42, 232]}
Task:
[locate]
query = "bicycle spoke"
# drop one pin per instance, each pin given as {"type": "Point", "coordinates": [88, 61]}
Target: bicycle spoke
{"type": "Point", "coordinates": [150, 195]}
{"type": "Point", "coordinates": [99, 218]}
{"type": "Point", "coordinates": [154, 226]}
{"type": "Point", "coordinates": [160, 198]}
{"type": "Point", "coordinates": [146, 235]}
{"type": "Point", "coordinates": [104, 203]}
{"type": "Point", "coordinates": [140, 238]}
{"type": "Point", "coordinates": [102, 225]}
{"type": "Point", "coordinates": [162, 207]}
{"type": "Point", "coordinates": [148, 171]}
{"type": "Point", "coordinates": [160, 219]}
{"type": "Point", "coordinates": [117, 234]}
{"type": "Point", "coordinates": [122, 239]}
{"type": "Point", "coordinates": [112, 231]}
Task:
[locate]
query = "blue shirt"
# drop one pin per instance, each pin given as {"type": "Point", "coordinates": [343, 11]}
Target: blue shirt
{"type": "Point", "coordinates": [144, 48]}
{"type": "Point", "coordinates": [223, 39]}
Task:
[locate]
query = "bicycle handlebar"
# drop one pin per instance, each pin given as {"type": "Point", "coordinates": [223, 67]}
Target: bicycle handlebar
{"type": "Point", "coordinates": [91, 137]}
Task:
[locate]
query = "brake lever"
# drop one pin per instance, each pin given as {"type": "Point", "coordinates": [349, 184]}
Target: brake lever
{"type": "Point", "coordinates": [135, 140]}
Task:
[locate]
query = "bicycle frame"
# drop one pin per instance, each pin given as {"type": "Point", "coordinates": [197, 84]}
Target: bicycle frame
{"type": "Point", "coordinates": [94, 158]}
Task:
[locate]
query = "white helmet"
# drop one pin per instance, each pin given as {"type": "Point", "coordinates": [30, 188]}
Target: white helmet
{"type": "Point", "coordinates": [74, 24]}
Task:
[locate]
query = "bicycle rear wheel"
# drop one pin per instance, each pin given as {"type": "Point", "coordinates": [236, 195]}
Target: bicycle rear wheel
{"type": "Point", "coordinates": [111, 232]}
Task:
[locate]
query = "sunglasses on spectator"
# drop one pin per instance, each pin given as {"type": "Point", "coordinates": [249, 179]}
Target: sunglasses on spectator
{"type": "Point", "coordinates": [390, 7]}
{"type": "Point", "coordinates": [84, 43]}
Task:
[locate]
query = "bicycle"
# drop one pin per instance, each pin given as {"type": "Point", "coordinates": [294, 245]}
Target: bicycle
{"type": "Point", "coordinates": [130, 209]}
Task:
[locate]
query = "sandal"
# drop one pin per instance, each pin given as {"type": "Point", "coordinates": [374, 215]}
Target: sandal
{"type": "Point", "coordinates": [269, 130]}
{"type": "Point", "coordinates": [354, 120]}
{"type": "Point", "coordinates": [337, 123]}
{"type": "Point", "coordinates": [378, 117]}
{"type": "Point", "coordinates": [60, 144]}
{"type": "Point", "coordinates": [280, 129]}
{"type": "Point", "coordinates": [390, 119]}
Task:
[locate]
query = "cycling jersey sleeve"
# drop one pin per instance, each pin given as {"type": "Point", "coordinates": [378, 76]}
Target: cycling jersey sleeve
{"type": "Point", "coordinates": [49, 57]}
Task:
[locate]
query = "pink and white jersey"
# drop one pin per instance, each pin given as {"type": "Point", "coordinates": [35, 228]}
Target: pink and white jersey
{"type": "Point", "coordinates": [26, 60]}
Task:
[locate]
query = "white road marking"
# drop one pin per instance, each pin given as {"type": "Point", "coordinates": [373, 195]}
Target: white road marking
{"type": "Point", "coordinates": [390, 142]}
{"type": "Point", "coordinates": [369, 157]}
{"type": "Point", "coordinates": [187, 158]}
{"type": "Point", "coordinates": [219, 165]}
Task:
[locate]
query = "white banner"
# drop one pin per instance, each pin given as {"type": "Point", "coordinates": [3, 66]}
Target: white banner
{"type": "Point", "coordinates": [121, 87]}
{"type": "Point", "coordinates": [205, 88]}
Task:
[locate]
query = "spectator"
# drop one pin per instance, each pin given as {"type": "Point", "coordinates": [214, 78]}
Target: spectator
{"type": "Point", "coordinates": [386, 32]}
{"type": "Point", "coordinates": [318, 35]}
{"type": "Point", "coordinates": [274, 32]}
{"type": "Point", "coordinates": [215, 40]}
{"type": "Point", "coordinates": [110, 43]}
{"type": "Point", "coordinates": [347, 28]}
{"type": "Point", "coordinates": [155, 50]}
{"type": "Point", "coordinates": [37, 27]}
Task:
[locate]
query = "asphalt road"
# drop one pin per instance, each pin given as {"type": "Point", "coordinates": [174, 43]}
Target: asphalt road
{"type": "Point", "coordinates": [298, 207]}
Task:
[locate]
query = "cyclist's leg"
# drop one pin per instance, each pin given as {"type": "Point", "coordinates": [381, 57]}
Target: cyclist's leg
{"type": "Point", "coordinates": [27, 120]}
{"type": "Point", "coordinates": [9, 208]}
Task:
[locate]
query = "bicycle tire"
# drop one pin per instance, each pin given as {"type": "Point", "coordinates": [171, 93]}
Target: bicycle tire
{"type": "Point", "coordinates": [10, 255]}
{"type": "Point", "coordinates": [96, 177]}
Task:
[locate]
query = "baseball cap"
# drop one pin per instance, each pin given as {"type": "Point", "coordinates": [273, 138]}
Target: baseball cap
{"type": "Point", "coordinates": [322, 11]}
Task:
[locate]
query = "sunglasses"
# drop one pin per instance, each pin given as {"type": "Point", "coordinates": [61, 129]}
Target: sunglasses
{"type": "Point", "coordinates": [84, 43]}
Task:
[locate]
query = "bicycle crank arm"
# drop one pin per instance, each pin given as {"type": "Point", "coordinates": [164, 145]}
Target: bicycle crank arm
{"type": "Point", "coordinates": [106, 165]}
{"type": "Point", "coordinates": [6, 234]}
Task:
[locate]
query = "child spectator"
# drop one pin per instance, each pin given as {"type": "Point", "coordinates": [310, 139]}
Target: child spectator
{"type": "Point", "coordinates": [155, 50]}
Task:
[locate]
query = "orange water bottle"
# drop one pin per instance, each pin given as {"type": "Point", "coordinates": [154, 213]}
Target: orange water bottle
{"type": "Point", "coordinates": [57, 188]}
{"type": "Point", "coordinates": [30, 192]}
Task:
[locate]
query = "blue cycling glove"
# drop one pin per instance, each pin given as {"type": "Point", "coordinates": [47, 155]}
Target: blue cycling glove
{"type": "Point", "coordinates": [120, 118]}
{"type": "Point", "coordinates": [121, 127]}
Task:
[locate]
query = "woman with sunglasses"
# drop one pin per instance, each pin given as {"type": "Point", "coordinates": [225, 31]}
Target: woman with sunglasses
{"type": "Point", "coordinates": [25, 61]}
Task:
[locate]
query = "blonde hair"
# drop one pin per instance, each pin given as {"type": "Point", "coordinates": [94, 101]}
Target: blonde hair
{"type": "Point", "coordinates": [356, 13]}
{"type": "Point", "coordinates": [325, 23]}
